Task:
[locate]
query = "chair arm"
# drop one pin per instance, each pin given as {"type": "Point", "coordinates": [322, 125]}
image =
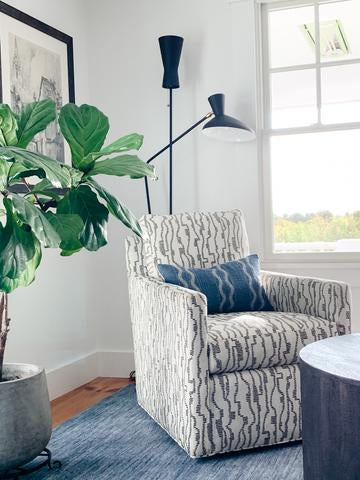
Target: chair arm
{"type": "Point", "coordinates": [326, 299]}
{"type": "Point", "coordinates": [171, 361]}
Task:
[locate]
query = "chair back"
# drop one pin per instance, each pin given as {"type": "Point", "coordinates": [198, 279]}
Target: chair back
{"type": "Point", "coordinates": [135, 256]}
{"type": "Point", "coordinates": [188, 240]}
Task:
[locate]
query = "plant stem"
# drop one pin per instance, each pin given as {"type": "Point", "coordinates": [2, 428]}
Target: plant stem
{"type": "Point", "coordinates": [36, 197]}
{"type": "Point", "coordinates": [4, 329]}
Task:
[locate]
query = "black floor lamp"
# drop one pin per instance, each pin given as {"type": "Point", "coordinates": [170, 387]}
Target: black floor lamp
{"type": "Point", "coordinates": [219, 126]}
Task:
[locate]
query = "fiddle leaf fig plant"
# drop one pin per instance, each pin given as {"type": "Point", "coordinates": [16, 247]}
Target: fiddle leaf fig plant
{"type": "Point", "coordinates": [47, 204]}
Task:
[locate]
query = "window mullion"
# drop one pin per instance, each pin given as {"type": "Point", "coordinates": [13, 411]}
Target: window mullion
{"type": "Point", "coordinates": [266, 70]}
{"type": "Point", "coordinates": [317, 61]}
{"type": "Point", "coordinates": [313, 129]}
{"type": "Point", "coordinates": [309, 66]}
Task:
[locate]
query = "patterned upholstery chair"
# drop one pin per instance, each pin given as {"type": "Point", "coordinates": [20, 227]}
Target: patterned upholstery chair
{"type": "Point", "coordinates": [219, 383]}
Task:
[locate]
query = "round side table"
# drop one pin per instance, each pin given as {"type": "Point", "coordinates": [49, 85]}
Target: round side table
{"type": "Point", "coordinates": [330, 397]}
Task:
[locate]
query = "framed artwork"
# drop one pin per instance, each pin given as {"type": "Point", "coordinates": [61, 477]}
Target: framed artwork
{"type": "Point", "coordinates": [36, 62]}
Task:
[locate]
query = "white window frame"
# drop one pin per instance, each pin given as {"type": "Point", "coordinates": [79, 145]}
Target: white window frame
{"type": "Point", "coordinates": [264, 130]}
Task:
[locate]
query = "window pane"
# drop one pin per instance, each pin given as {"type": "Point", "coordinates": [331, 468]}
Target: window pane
{"type": "Point", "coordinates": [289, 44]}
{"type": "Point", "coordinates": [293, 99]}
{"type": "Point", "coordinates": [340, 94]}
{"type": "Point", "coordinates": [315, 192]}
{"type": "Point", "coordinates": [339, 30]}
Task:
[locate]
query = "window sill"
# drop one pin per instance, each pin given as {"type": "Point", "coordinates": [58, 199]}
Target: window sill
{"type": "Point", "coordinates": [335, 261]}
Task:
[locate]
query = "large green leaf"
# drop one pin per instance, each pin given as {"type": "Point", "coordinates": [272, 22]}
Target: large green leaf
{"type": "Point", "coordinates": [4, 172]}
{"type": "Point", "coordinates": [119, 211]}
{"type": "Point", "coordinates": [18, 171]}
{"type": "Point", "coordinates": [27, 276]}
{"type": "Point", "coordinates": [85, 129]}
{"type": "Point", "coordinates": [124, 165]}
{"type": "Point", "coordinates": [35, 218]}
{"type": "Point", "coordinates": [34, 118]}
{"type": "Point", "coordinates": [17, 245]}
{"type": "Point", "coordinates": [8, 126]}
{"type": "Point", "coordinates": [69, 228]}
{"type": "Point", "coordinates": [123, 144]}
{"type": "Point", "coordinates": [53, 170]}
{"type": "Point", "coordinates": [68, 253]}
{"type": "Point", "coordinates": [84, 202]}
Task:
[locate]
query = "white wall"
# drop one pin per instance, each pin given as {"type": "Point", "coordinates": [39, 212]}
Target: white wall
{"type": "Point", "coordinates": [218, 55]}
{"type": "Point", "coordinates": [51, 325]}
{"type": "Point", "coordinates": [124, 77]}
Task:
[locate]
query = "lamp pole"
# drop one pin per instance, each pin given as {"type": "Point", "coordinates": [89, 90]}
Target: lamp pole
{"type": "Point", "coordinates": [169, 146]}
{"type": "Point", "coordinates": [171, 151]}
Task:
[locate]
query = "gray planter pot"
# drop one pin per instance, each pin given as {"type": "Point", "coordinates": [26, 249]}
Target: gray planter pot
{"type": "Point", "coordinates": [25, 415]}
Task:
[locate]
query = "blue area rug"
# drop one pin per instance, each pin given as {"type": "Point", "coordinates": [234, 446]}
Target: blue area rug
{"type": "Point", "coordinates": [117, 440]}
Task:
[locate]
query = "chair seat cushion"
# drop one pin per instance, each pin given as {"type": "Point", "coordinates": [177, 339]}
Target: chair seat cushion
{"type": "Point", "coordinates": [250, 340]}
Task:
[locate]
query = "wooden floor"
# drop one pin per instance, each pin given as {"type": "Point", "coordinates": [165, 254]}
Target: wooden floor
{"type": "Point", "coordinates": [84, 397]}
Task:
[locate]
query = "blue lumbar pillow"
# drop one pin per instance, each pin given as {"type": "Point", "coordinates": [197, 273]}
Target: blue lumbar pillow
{"type": "Point", "coordinates": [229, 287]}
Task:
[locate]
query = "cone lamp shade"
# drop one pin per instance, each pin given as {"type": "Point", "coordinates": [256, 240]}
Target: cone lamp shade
{"type": "Point", "coordinates": [224, 127]}
{"type": "Point", "coordinates": [170, 48]}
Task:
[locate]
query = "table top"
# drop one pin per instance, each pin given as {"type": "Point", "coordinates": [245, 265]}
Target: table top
{"type": "Point", "coordinates": [335, 355]}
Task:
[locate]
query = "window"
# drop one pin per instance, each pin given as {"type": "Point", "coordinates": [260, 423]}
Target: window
{"type": "Point", "coordinates": [311, 126]}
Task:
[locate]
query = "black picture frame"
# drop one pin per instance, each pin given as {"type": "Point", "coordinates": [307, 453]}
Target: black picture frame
{"type": "Point", "coordinates": [48, 30]}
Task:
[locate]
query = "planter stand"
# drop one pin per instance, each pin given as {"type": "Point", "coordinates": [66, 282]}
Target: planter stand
{"type": "Point", "coordinates": [23, 471]}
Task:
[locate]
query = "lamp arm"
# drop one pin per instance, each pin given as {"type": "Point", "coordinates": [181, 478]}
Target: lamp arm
{"type": "Point", "coordinates": [199, 122]}
{"type": "Point", "coordinates": [188, 130]}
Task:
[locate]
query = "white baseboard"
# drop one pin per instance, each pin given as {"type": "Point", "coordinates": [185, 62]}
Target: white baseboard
{"type": "Point", "coordinates": [115, 364]}
{"type": "Point", "coordinates": [67, 377]}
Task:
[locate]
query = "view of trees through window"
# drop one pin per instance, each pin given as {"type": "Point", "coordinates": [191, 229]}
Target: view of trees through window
{"type": "Point", "coordinates": [315, 191]}
{"type": "Point", "coordinates": [330, 232]}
